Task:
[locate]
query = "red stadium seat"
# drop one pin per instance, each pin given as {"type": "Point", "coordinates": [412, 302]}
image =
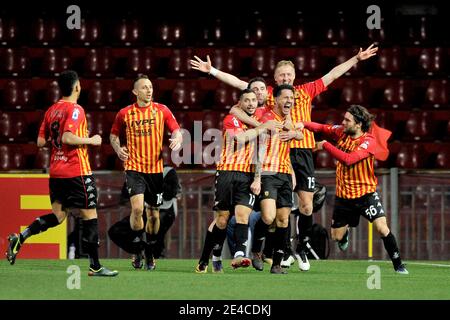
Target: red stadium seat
{"type": "Point", "coordinates": [263, 63]}
{"type": "Point", "coordinates": [397, 94]}
{"type": "Point", "coordinates": [42, 159]}
{"type": "Point", "coordinates": [307, 62]}
{"type": "Point", "coordinates": [8, 31]}
{"type": "Point", "coordinates": [294, 33]}
{"type": "Point", "coordinates": [184, 120]}
{"type": "Point", "coordinates": [101, 96]}
{"type": "Point", "coordinates": [419, 126]}
{"type": "Point", "coordinates": [379, 35]}
{"type": "Point", "coordinates": [186, 95]}
{"type": "Point", "coordinates": [210, 121]}
{"type": "Point", "coordinates": [45, 31]}
{"type": "Point", "coordinates": [52, 93]}
{"type": "Point", "coordinates": [431, 61]}
{"type": "Point", "coordinates": [15, 62]}
{"type": "Point", "coordinates": [98, 123]}
{"type": "Point", "coordinates": [391, 60]}
{"type": "Point", "coordinates": [179, 65]}
{"type": "Point", "coordinates": [255, 33]}
{"type": "Point", "coordinates": [55, 61]}
{"type": "Point", "coordinates": [337, 33]}
{"type": "Point", "coordinates": [443, 157]}
{"type": "Point", "coordinates": [324, 160]}
{"type": "Point", "coordinates": [437, 93]}
{"type": "Point", "coordinates": [13, 127]}
{"type": "Point", "coordinates": [355, 92]}
{"type": "Point", "coordinates": [128, 32]}
{"type": "Point", "coordinates": [213, 34]}
{"type": "Point", "coordinates": [343, 55]}
{"type": "Point", "coordinates": [418, 29]}
{"type": "Point", "coordinates": [410, 156]}
{"type": "Point", "coordinates": [226, 60]}
{"type": "Point", "coordinates": [225, 96]}
{"type": "Point", "coordinates": [97, 158]}
{"type": "Point", "coordinates": [142, 61]}
{"type": "Point", "coordinates": [98, 63]}
{"type": "Point", "coordinates": [170, 35]}
{"type": "Point", "coordinates": [11, 158]}
{"type": "Point", "coordinates": [17, 95]}
{"type": "Point", "coordinates": [88, 34]}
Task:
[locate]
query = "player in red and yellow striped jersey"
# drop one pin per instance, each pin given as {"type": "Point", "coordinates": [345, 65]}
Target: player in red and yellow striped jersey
{"type": "Point", "coordinates": [301, 151]}
{"type": "Point", "coordinates": [71, 182]}
{"type": "Point", "coordinates": [234, 193]}
{"type": "Point", "coordinates": [355, 179]}
{"type": "Point", "coordinates": [143, 125]}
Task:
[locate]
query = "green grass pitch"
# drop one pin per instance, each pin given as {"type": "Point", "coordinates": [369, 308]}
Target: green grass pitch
{"type": "Point", "coordinates": [176, 280]}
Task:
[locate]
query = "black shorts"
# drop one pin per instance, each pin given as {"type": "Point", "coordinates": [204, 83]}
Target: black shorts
{"type": "Point", "coordinates": [232, 188]}
{"type": "Point", "coordinates": [303, 164]}
{"type": "Point", "coordinates": [277, 186]}
{"type": "Point", "coordinates": [77, 192]}
{"type": "Point", "coordinates": [148, 184]}
{"type": "Point", "coordinates": [348, 211]}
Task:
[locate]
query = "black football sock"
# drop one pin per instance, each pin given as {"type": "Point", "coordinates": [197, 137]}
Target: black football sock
{"type": "Point", "coordinates": [287, 242]}
{"type": "Point", "coordinates": [390, 244]}
{"type": "Point", "coordinates": [39, 225]}
{"type": "Point", "coordinates": [241, 236]}
{"type": "Point", "coordinates": [150, 243]}
{"type": "Point", "coordinates": [304, 231]}
{"type": "Point", "coordinates": [89, 238]}
{"type": "Point", "coordinates": [219, 238]}
{"type": "Point", "coordinates": [259, 235]}
{"type": "Point", "coordinates": [268, 245]}
{"type": "Point", "coordinates": [207, 248]}
{"type": "Point", "coordinates": [278, 252]}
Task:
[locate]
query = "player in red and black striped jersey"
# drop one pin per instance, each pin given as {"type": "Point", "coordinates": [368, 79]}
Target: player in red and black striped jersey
{"type": "Point", "coordinates": [143, 125]}
{"type": "Point", "coordinates": [71, 182]}
{"type": "Point", "coordinates": [301, 151]}
{"type": "Point", "coordinates": [355, 179]}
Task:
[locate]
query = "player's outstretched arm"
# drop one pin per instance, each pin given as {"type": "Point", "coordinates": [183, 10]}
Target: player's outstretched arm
{"type": "Point", "coordinates": [339, 70]}
{"type": "Point", "coordinates": [206, 67]}
{"type": "Point", "coordinates": [74, 140]}
{"type": "Point", "coordinates": [244, 117]}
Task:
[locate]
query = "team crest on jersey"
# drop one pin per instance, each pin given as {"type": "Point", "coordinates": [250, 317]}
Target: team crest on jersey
{"type": "Point", "coordinates": [364, 145]}
{"type": "Point", "coordinates": [266, 193]}
{"type": "Point", "coordinates": [336, 126]}
{"type": "Point", "coordinates": [75, 113]}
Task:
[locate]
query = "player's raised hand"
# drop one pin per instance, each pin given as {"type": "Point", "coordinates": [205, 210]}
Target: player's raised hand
{"type": "Point", "coordinates": [96, 140]}
{"type": "Point", "coordinates": [366, 54]}
{"type": "Point", "coordinates": [200, 65]}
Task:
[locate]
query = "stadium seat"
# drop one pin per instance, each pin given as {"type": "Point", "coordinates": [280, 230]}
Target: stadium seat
{"type": "Point", "coordinates": [45, 31]}
{"type": "Point", "coordinates": [42, 159]}
{"type": "Point", "coordinates": [128, 32]}
{"type": "Point", "coordinates": [397, 94]}
{"type": "Point", "coordinates": [101, 96]}
{"type": "Point", "coordinates": [97, 158]}
{"type": "Point", "coordinates": [210, 120]}
{"type": "Point", "coordinates": [419, 126]}
{"type": "Point", "coordinates": [212, 34]}
{"type": "Point", "coordinates": [8, 31]}
{"type": "Point", "coordinates": [338, 32]}
{"type": "Point", "coordinates": [98, 63]}
{"type": "Point", "coordinates": [225, 96]}
{"type": "Point", "coordinates": [15, 62]}
{"type": "Point", "coordinates": [141, 61]}
{"type": "Point", "coordinates": [11, 158]}
{"type": "Point", "coordinates": [186, 95]}
{"type": "Point", "coordinates": [379, 35]}
{"type": "Point", "coordinates": [355, 92]}
{"type": "Point", "coordinates": [52, 94]}
{"type": "Point", "coordinates": [179, 65]}
{"type": "Point", "coordinates": [307, 62]}
{"type": "Point", "coordinates": [17, 95]}
{"type": "Point", "coordinates": [431, 61]}
{"type": "Point", "coordinates": [263, 63]}
{"type": "Point", "coordinates": [226, 60]}
{"type": "Point", "coordinates": [390, 61]}
{"type": "Point", "coordinates": [54, 61]}
{"type": "Point", "coordinates": [88, 34]}
{"type": "Point", "coordinates": [417, 30]}
{"type": "Point", "coordinates": [324, 160]}
{"type": "Point", "coordinates": [255, 33]}
{"type": "Point", "coordinates": [443, 157]}
{"type": "Point", "coordinates": [410, 156]}
{"type": "Point", "coordinates": [98, 123]}
{"type": "Point", "coordinates": [183, 120]}
{"type": "Point", "coordinates": [437, 93]}
{"type": "Point", "coordinates": [170, 35]}
{"type": "Point", "coordinates": [294, 32]}
{"type": "Point", "coordinates": [13, 127]}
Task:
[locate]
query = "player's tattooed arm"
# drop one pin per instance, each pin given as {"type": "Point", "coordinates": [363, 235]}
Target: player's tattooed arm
{"type": "Point", "coordinates": [122, 152]}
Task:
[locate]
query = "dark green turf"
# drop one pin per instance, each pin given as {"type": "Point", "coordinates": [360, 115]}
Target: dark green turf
{"type": "Point", "coordinates": [175, 279]}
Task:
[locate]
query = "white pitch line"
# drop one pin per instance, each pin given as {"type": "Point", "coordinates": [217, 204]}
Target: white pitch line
{"type": "Point", "coordinates": [419, 263]}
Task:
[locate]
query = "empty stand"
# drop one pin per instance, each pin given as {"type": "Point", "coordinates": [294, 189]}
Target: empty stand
{"type": "Point", "coordinates": [263, 63]}
{"type": "Point", "coordinates": [419, 126]}
{"type": "Point", "coordinates": [18, 95]}
{"type": "Point", "coordinates": [13, 127]}
{"type": "Point", "coordinates": [15, 62]}
{"type": "Point", "coordinates": [55, 61]}
{"type": "Point", "coordinates": [437, 94]}
{"type": "Point", "coordinates": [11, 158]}
{"type": "Point", "coordinates": [410, 156]}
